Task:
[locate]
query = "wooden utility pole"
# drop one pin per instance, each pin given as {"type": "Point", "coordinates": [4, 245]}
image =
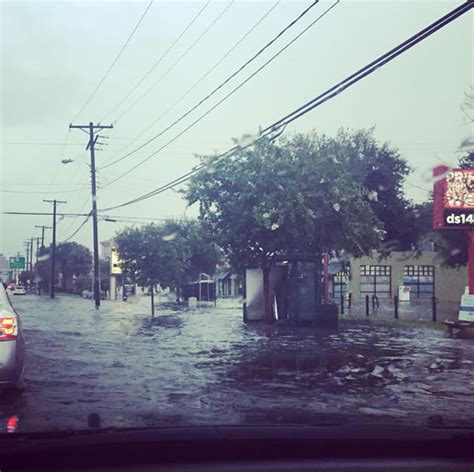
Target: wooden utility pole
{"type": "Point", "coordinates": [38, 283]}
{"type": "Point", "coordinates": [31, 254]}
{"type": "Point", "coordinates": [53, 249]}
{"type": "Point", "coordinates": [93, 131]}
{"type": "Point", "coordinates": [37, 248]}
{"type": "Point", "coordinates": [42, 233]}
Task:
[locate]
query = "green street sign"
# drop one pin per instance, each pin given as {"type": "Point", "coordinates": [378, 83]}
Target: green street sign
{"type": "Point", "coordinates": [17, 262]}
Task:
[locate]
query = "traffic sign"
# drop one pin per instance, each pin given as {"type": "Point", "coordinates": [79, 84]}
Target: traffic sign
{"type": "Point", "coordinates": [17, 262]}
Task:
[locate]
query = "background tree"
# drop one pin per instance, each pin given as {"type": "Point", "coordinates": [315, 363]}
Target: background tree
{"type": "Point", "coordinates": [104, 265]}
{"type": "Point", "coordinates": [44, 268]}
{"type": "Point", "coordinates": [168, 255]}
{"type": "Point", "coordinates": [73, 259]}
{"type": "Point", "coordinates": [380, 171]}
{"type": "Point", "coordinates": [297, 198]}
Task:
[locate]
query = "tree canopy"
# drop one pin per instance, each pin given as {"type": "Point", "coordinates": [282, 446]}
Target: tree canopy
{"type": "Point", "coordinates": [169, 255]}
{"type": "Point", "coordinates": [71, 259]}
{"type": "Point", "coordinates": [303, 196]}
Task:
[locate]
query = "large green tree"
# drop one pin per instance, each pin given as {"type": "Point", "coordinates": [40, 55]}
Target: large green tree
{"type": "Point", "coordinates": [380, 171]}
{"type": "Point", "coordinates": [297, 198]}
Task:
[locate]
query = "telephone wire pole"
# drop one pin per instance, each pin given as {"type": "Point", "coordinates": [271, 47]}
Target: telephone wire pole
{"type": "Point", "coordinates": [53, 249]}
{"type": "Point", "coordinates": [42, 233]}
{"type": "Point", "coordinates": [93, 131]}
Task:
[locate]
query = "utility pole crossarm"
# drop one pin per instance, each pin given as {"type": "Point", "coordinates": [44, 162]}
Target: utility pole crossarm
{"type": "Point", "coordinates": [71, 126]}
{"type": "Point", "coordinates": [54, 201]}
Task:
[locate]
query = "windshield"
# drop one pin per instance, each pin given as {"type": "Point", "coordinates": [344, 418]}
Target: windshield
{"type": "Point", "coordinates": [238, 213]}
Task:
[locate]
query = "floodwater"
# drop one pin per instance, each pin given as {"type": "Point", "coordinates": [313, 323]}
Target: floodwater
{"type": "Point", "coordinates": [117, 367]}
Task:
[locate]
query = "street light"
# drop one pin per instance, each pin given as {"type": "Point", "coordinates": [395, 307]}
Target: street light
{"type": "Point", "coordinates": [66, 161]}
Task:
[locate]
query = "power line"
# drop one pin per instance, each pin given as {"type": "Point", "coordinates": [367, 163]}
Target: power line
{"type": "Point", "coordinates": [196, 83]}
{"type": "Point", "coordinates": [61, 157]}
{"type": "Point", "coordinates": [193, 171]}
{"type": "Point", "coordinates": [332, 92]}
{"type": "Point", "coordinates": [41, 213]}
{"type": "Point", "coordinates": [159, 60]}
{"type": "Point", "coordinates": [79, 228]}
{"type": "Point", "coordinates": [77, 216]}
{"type": "Point", "coordinates": [190, 48]}
{"type": "Point", "coordinates": [114, 61]}
{"type": "Point", "coordinates": [144, 220]}
{"type": "Point", "coordinates": [235, 89]}
{"type": "Point", "coordinates": [41, 192]}
{"type": "Point", "coordinates": [221, 85]}
{"type": "Point", "coordinates": [37, 143]}
{"type": "Point", "coordinates": [371, 67]}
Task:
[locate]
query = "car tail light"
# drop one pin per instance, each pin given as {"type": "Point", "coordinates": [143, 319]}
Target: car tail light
{"type": "Point", "coordinates": [8, 328]}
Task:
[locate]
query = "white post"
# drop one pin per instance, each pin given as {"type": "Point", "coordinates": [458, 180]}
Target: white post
{"type": "Point", "coordinates": [113, 288]}
{"type": "Point", "coordinates": [200, 287]}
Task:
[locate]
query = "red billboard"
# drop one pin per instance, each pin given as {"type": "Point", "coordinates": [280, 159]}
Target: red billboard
{"type": "Point", "coordinates": [453, 202]}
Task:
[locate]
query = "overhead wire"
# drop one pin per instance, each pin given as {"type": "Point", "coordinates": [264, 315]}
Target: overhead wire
{"type": "Point", "coordinates": [63, 148]}
{"type": "Point", "coordinates": [59, 192]}
{"type": "Point", "coordinates": [222, 100]}
{"type": "Point", "coordinates": [222, 84]}
{"type": "Point", "coordinates": [79, 228]}
{"type": "Point", "coordinates": [330, 93]}
{"type": "Point", "coordinates": [79, 213]}
{"type": "Point", "coordinates": [194, 170]}
{"type": "Point", "coordinates": [209, 71]}
{"type": "Point", "coordinates": [180, 58]}
{"type": "Point", "coordinates": [379, 62]}
{"type": "Point", "coordinates": [112, 65]}
{"type": "Point", "coordinates": [42, 213]}
{"type": "Point", "coordinates": [155, 65]}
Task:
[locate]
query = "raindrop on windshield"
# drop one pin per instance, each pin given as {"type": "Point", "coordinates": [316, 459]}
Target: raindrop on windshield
{"type": "Point", "coordinates": [428, 176]}
{"type": "Point", "coordinates": [373, 196]}
{"type": "Point", "coordinates": [169, 237]}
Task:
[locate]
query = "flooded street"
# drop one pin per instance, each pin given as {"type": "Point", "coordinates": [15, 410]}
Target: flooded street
{"type": "Point", "coordinates": [117, 367]}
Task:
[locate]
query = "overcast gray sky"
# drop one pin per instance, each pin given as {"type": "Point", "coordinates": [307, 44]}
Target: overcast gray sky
{"type": "Point", "coordinates": [55, 53]}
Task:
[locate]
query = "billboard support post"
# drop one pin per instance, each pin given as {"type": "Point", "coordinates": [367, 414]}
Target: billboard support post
{"type": "Point", "coordinates": [470, 246]}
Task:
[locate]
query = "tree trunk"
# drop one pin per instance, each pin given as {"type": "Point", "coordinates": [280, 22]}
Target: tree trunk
{"type": "Point", "coordinates": [152, 302]}
{"type": "Point", "coordinates": [267, 314]}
